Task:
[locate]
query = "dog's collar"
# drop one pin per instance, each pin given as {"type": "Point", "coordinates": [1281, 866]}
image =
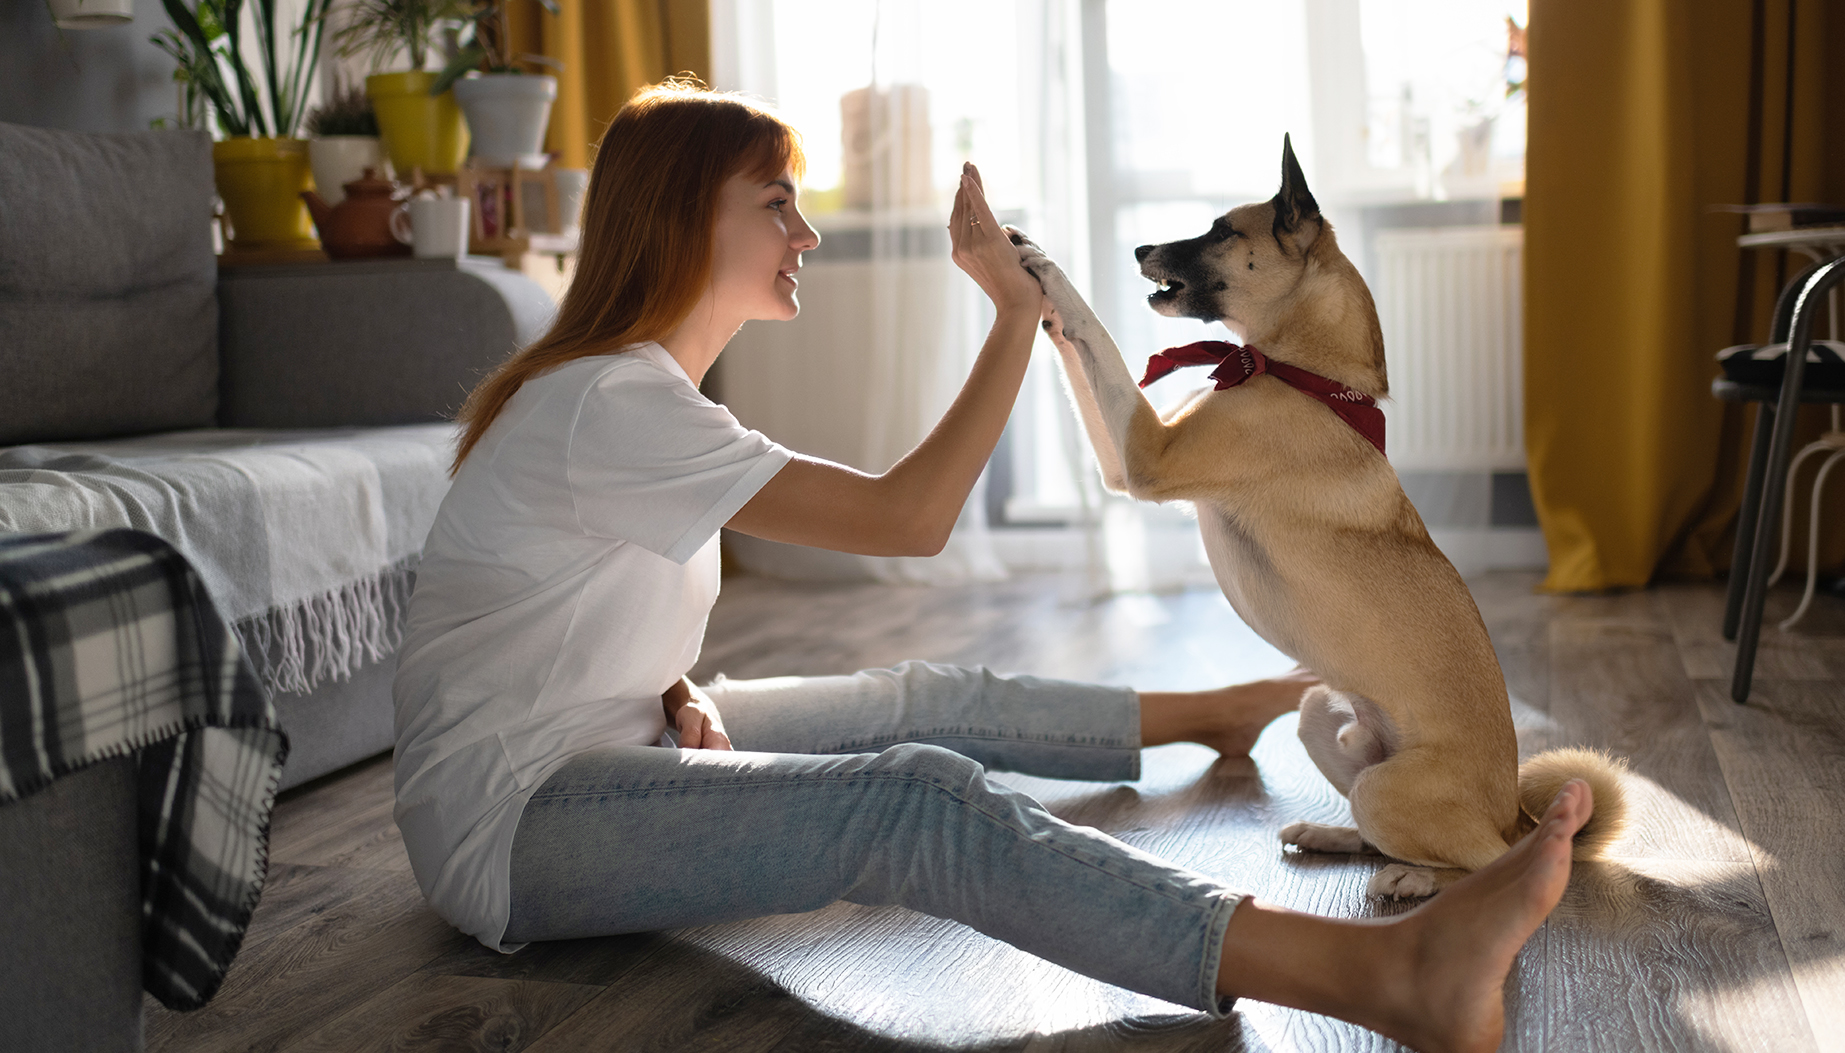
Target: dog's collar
{"type": "Point", "coordinates": [1237, 363]}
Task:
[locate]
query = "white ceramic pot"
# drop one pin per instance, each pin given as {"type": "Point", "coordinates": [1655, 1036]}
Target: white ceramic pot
{"type": "Point", "coordinates": [92, 14]}
{"type": "Point", "coordinates": [340, 159]}
{"type": "Point", "coordinates": [507, 114]}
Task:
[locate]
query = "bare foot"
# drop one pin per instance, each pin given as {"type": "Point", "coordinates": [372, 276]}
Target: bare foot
{"type": "Point", "coordinates": [1449, 990]}
{"type": "Point", "coordinates": [1433, 979]}
{"type": "Point", "coordinates": [1227, 719]}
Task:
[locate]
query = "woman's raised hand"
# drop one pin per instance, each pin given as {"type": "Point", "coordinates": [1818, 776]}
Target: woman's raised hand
{"type": "Point", "coordinates": [985, 251]}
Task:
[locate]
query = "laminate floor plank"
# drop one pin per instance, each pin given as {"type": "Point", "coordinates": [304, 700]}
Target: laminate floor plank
{"type": "Point", "coordinates": [597, 962]}
{"type": "Point", "coordinates": [1785, 755]}
{"type": "Point", "coordinates": [459, 1014]}
{"type": "Point", "coordinates": [1676, 954]}
{"type": "Point", "coordinates": [687, 998]}
{"type": "Point", "coordinates": [344, 821]}
{"type": "Point", "coordinates": [293, 894]}
{"type": "Point", "coordinates": [1719, 926]}
{"type": "Point", "coordinates": [290, 985]}
{"type": "Point", "coordinates": [1617, 683]}
{"type": "Point", "coordinates": [1695, 612]}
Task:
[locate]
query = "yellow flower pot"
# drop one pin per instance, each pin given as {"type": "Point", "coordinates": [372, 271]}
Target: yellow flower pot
{"type": "Point", "coordinates": [420, 130]}
{"type": "Point", "coordinates": [261, 181]}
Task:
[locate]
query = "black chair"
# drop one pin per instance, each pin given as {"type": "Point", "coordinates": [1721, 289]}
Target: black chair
{"type": "Point", "coordinates": [1768, 457]}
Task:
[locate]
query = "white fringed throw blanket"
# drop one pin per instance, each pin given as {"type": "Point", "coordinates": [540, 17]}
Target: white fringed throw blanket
{"type": "Point", "coordinates": [306, 540]}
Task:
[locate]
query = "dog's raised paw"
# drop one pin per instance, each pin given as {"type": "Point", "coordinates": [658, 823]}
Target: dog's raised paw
{"type": "Point", "coordinates": [1397, 881]}
{"type": "Point", "coordinates": [1318, 837]}
{"type": "Point", "coordinates": [1022, 240]}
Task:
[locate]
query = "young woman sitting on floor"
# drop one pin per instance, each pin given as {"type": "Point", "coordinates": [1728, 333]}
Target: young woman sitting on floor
{"type": "Point", "coordinates": [563, 595]}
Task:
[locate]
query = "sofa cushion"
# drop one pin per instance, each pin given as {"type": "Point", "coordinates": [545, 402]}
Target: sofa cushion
{"type": "Point", "coordinates": [108, 303]}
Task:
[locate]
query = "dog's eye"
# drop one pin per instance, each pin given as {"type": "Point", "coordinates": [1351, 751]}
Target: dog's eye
{"type": "Point", "coordinates": [1222, 231]}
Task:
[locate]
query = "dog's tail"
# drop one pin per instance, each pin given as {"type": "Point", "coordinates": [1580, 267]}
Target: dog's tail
{"type": "Point", "coordinates": [1542, 776]}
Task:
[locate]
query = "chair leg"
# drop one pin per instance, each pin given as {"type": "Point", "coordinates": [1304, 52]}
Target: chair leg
{"type": "Point", "coordinates": [1755, 594]}
{"type": "Point", "coordinates": [1748, 519]}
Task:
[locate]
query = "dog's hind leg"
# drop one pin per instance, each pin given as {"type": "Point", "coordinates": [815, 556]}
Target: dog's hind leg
{"type": "Point", "coordinates": [1344, 734]}
{"type": "Point", "coordinates": [1413, 809]}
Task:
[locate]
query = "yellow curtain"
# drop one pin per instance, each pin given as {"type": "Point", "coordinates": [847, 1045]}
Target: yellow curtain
{"type": "Point", "coordinates": [607, 49]}
{"type": "Point", "coordinates": [1643, 113]}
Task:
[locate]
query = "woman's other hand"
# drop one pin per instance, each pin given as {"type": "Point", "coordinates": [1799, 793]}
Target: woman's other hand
{"type": "Point", "coordinates": [983, 249]}
{"type": "Point", "coordinates": [692, 712]}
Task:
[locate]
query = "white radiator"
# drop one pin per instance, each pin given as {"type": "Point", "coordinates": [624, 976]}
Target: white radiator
{"type": "Point", "coordinates": [1451, 301]}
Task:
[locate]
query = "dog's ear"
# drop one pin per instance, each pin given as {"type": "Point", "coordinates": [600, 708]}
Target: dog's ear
{"type": "Point", "coordinates": [1297, 214]}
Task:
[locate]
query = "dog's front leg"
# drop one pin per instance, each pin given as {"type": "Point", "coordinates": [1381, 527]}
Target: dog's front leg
{"type": "Point", "coordinates": [1108, 400]}
{"type": "Point", "coordinates": [1076, 377]}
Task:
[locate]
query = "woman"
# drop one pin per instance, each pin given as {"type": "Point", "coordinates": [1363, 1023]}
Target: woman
{"type": "Point", "coordinates": [563, 595]}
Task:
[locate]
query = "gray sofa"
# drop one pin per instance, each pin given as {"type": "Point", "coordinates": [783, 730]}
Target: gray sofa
{"type": "Point", "coordinates": [124, 348]}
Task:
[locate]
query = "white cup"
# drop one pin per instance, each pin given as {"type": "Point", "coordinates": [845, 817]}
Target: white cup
{"type": "Point", "coordinates": [438, 227]}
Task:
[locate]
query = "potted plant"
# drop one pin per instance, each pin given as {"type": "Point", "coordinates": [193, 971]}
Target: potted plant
{"type": "Point", "coordinates": [345, 142]}
{"type": "Point", "coordinates": [258, 102]}
{"type": "Point", "coordinates": [507, 108]}
{"type": "Point", "coordinates": [421, 129]}
{"type": "Point", "coordinates": [91, 14]}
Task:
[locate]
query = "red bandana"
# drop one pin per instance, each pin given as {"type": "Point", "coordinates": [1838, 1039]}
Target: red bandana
{"type": "Point", "coordinates": [1237, 363]}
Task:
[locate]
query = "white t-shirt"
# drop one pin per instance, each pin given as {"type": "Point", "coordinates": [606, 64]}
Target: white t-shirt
{"type": "Point", "coordinates": [564, 586]}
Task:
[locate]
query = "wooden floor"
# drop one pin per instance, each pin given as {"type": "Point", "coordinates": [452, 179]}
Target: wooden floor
{"type": "Point", "coordinates": [1721, 927]}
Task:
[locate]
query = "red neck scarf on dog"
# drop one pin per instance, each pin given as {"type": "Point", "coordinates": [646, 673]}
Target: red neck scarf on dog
{"type": "Point", "coordinates": [1237, 363]}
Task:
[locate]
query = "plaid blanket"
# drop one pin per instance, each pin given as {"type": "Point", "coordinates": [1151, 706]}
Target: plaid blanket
{"type": "Point", "coordinates": [109, 644]}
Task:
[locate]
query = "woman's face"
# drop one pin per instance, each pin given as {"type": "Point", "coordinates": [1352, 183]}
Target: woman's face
{"type": "Point", "coordinates": [760, 238]}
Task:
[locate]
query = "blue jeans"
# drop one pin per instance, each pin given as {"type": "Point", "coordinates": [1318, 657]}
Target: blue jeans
{"type": "Point", "coordinates": [871, 788]}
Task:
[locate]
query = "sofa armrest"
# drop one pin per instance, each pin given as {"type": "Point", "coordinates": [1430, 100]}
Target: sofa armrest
{"type": "Point", "coordinates": [366, 343]}
{"type": "Point", "coordinates": [70, 910]}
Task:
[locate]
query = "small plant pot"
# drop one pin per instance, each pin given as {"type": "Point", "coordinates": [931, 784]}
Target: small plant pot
{"type": "Point", "coordinates": [261, 181]}
{"type": "Point", "coordinates": [420, 130]}
{"type": "Point", "coordinates": [507, 114]}
{"type": "Point", "coordinates": [92, 14]}
{"type": "Point", "coordinates": [340, 159]}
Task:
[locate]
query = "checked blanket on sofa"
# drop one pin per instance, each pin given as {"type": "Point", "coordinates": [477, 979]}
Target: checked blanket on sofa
{"type": "Point", "coordinates": [305, 539]}
{"type": "Point", "coordinates": [109, 645]}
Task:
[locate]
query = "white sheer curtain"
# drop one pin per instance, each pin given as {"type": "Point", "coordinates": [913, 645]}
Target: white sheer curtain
{"type": "Point", "coordinates": [891, 97]}
{"type": "Point", "coordinates": [1099, 125]}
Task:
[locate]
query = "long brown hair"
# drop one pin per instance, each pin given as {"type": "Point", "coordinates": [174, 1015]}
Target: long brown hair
{"type": "Point", "coordinates": [648, 223]}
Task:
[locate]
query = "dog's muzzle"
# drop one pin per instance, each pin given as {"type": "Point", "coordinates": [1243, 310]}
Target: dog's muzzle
{"type": "Point", "coordinates": [1168, 291]}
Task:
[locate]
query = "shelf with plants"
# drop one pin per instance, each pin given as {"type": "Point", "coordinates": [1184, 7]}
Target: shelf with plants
{"type": "Point", "coordinates": [423, 130]}
{"type": "Point", "coordinates": [257, 101]}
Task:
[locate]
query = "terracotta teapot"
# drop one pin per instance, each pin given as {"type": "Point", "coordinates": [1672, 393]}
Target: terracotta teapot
{"type": "Point", "coordinates": [360, 227]}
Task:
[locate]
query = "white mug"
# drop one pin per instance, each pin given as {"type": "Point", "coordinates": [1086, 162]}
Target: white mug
{"type": "Point", "coordinates": [438, 227]}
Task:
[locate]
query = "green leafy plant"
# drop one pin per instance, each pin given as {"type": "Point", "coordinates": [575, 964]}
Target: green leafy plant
{"type": "Point", "coordinates": [348, 113]}
{"type": "Point", "coordinates": [207, 42]}
{"type": "Point", "coordinates": [379, 29]}
{"type": "Point", "coordinates": [485, 44]}
{"type": "Point", "coordinates": [192, 108]}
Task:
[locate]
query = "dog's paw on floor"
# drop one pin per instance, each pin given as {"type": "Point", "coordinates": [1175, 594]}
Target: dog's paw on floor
{"type": "Point", "coordinates": [1318, 837]}
{"type": "Point", "coordinates": [1397, 881]}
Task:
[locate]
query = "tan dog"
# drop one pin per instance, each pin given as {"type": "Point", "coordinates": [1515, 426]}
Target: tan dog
{"type": "Point", "coordinates": [1317, 548]}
